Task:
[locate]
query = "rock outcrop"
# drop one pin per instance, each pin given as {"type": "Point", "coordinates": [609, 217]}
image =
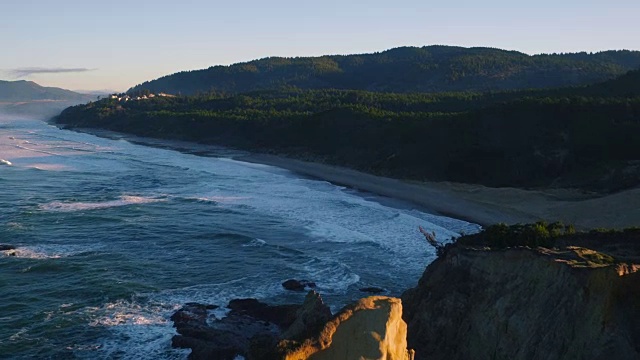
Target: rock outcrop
{"type": "Point", "coordinates": [250, 327]}
{"type": "Point", "coordinates": [522, 303]}
{"type": "Point", "coordinates": [372, 290]}
{"type": "Point", "coordinates": [298, 285]}
{"type": "Point", "coordinates": [372, 328]}
{"type": "Point", "coordinates": [310, 318]}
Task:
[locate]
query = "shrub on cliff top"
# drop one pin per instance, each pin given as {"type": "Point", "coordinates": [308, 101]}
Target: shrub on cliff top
{"type": "Point", "coordinates": [622, 244]}
{"type": "Point", "coordinates": [532, 235]}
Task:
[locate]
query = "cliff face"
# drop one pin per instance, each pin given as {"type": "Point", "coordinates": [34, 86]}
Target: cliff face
{"type": "Point", "coordinates": [521, 303]}
{"type": "Point", "coordinates": [371, 328]}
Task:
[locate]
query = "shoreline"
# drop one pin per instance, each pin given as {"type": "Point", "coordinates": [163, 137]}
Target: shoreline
{"type": "Point", "coordinates": [469, 202]}
{"type": "Point", "coordinates": [424, 195]}
{"type": "Point", "coordinates": [480, 204]}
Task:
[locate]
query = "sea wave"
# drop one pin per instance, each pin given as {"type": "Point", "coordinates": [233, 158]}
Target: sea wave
{"type": "Point", "coordinates": [330, 276]}
{"type": "Point", "coordinates": [216, 199]}
{"type": "Point", "coordinates": [255, 243]}
{"type": "Point", "coordinates": [49, 167]}
{"type": "Point", "coordinates": [50, 251]}
{"type": "Point", "coordinates": [77, 206]}
{"type": "Point", "coordinates": [141, 329]}
{"type": "Point", "coordinates": [137, 331]}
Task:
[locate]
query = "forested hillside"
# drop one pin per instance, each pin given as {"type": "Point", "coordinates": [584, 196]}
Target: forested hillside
{"type": "Point", "coordinates": [406, 69]}
{"type": "Point", "coordinates": [587, 137]}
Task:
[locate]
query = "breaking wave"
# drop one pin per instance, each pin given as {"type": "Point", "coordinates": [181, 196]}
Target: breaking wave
{"type": "Point", "coordinates": [77, 206]}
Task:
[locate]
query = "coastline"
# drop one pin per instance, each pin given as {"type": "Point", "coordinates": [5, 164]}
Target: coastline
{"type": "Point", "coordinates": [480, 204]}
{"type": "Point", "coordinates": [470, 202]}
{"type": "Point", "coordinates": [431, 197]}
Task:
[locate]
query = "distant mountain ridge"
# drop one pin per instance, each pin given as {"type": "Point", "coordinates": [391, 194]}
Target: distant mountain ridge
{"type": "Point", "coordinates": [26, 98]}
{"type": "Point", "coordinates": [22, 90]}
{"type": "Point", "coordinates": [406, 69]}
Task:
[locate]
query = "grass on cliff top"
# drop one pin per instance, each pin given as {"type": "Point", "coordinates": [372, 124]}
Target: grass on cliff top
{"type": "Point", "coordinates": [597, 246]}
{"type": "Point", "coordinates": [590, 258]}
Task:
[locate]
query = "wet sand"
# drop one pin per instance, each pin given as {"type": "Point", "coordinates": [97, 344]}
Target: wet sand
{"type": "Point", "coordinates": [481, 204]}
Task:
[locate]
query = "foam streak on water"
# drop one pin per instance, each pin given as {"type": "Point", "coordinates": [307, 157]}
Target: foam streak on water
{"type": "Point", "coordinates": [111, 237]}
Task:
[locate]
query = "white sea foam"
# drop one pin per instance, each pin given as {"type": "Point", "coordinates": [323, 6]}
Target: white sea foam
{"type": "Point", "coordinates": [145, 331]}
{"type": "Point", "coordinates": [255, 243]}
{"type": "Point", "coordinates": [331, 214]}
{"type": "Point", "coordinates": [14, 225]}
{"type": "Point", "coordinates": [77, 206]}
{"type": "Point", "coordinates": [49, 167]}
{"type": "Point", "coordinates": [27, 253]}
{"type": "Point", "coordinates": [5, 162]}
{"type": "Point", "coordinates": [139, 331]}
{"type": "Point", "coordinates": [49, 251]}
{"type": "Point", "coordinates": [219, 199]}
{"type": "Point", "coordinates": [124, 312]}
{"type": "Point", "coordinates": [18, 334]}
{"type": "Point", "coordinates": [330, 276]}
{"type": "Point", "coordinates": [221, 293]}
{"type": "Point", "coordinates": [36, 150]}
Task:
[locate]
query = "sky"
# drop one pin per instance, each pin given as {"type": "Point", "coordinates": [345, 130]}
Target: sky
{"type": "Point", "coordinates": [113, 45]}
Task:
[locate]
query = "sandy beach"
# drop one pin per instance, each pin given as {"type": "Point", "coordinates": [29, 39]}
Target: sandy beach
{"type": "Point", "coordinates": [481, 204]}
{"type": "Point", "coordinates": [474, 203]}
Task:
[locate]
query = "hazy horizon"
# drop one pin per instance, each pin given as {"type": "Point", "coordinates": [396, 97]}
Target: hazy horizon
{"type": "Point", "coordinates": [93, 46]}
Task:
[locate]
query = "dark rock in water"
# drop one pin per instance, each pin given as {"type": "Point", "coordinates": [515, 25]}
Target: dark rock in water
{"type": "Point", "coordinates": [371, 328]}
{"type": "Point", "coordinates": [308, 284]}
{"type": "Point", "coordinates": [244, 304]}
{"type": "Point", "coordinates": [281, 315]}
{"type": "Point", "coordinates": [298, 285]}
{"type": "Point", "coordinates": [205, 341]}
{"type": "Point", "coordinates": [372, 290]}
{"type": "Point", "coordinates": [252, 329]}
{"type": "Point", "coordinates": [206, 348]}
{"type": "Point", "coordinates": [206, 306]}
{"type": "Point", "coordinates": [4, 247]}
{"type": "Point", "coordinates": [225, 338]}
{"type": "Point", "coordinates": [310, 318]}
{"type": "Point", "coordinates": [249, 325]}
{"type": "Point", "coordinates": [293, 285]}
{"type": "Point", "coordinates": [263, 347]}
{"type": "Point", "coordinates": [191, 314]}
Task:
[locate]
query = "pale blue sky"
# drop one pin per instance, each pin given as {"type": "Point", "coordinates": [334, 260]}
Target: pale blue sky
{"type": "Point", "coordinates": [123, 43]}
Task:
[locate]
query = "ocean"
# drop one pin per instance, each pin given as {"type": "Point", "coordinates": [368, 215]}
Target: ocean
{"type": "Point", "coordinates": [113, 236]}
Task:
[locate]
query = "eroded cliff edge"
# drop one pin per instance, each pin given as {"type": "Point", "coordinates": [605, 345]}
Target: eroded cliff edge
{"type": "Point", "coordinates": [371, 328]}
{"type": "Point", "coordinates": [533, 291]}
{"type": "Point", "coordinates": [562, 302]}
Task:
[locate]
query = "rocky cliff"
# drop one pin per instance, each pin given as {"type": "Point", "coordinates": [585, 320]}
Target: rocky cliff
{"type": "Point", "coordinates": [371, 328]}
{"type": "Point", "coordinates": [522, 303]}
{"type": "Point", "coordinates": [485, 297]}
